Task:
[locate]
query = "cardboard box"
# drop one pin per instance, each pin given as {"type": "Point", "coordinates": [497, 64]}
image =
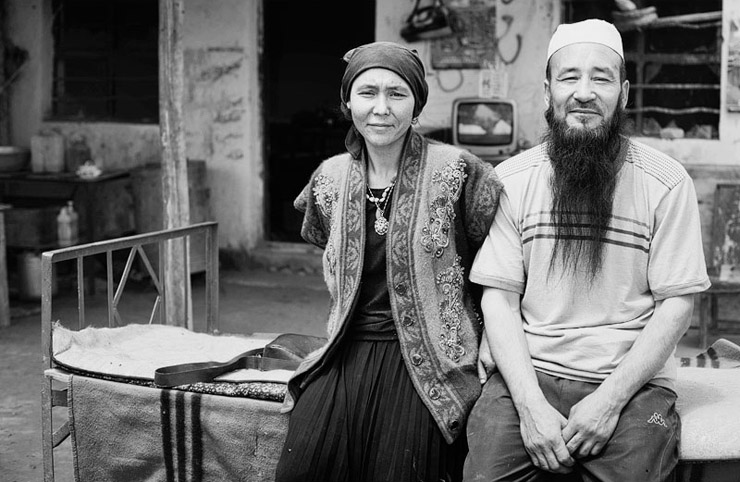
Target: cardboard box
{"type": "Point", "coordinates": [31, 227]}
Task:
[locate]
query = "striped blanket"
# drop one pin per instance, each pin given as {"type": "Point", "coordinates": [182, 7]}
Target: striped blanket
{"type": "Point", "coordinates": [124, 432]}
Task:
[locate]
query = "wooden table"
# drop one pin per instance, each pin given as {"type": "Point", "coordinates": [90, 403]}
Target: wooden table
{"type": "Point", "coordinates": [38, 189]}
{"type": "Point", "coordinates": [104, 205]}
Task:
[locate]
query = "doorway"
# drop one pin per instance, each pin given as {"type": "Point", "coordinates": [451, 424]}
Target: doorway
{"type": "Point", "coordinates": [302, 69]}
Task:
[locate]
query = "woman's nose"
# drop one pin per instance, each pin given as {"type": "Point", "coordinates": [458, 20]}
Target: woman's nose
{"type": "Point", "coordinates": [381, 106]}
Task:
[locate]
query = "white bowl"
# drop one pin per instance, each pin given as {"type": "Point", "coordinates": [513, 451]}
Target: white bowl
{"type": "Point", "coordinates": [13, 158]}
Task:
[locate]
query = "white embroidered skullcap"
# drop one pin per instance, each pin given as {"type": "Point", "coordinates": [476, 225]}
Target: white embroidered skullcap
{"type": "Point", "coordinates": [588, 31]}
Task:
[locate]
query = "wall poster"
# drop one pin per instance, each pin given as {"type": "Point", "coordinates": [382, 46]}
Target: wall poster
{"type": "Point", "coordinates": [473, 45]}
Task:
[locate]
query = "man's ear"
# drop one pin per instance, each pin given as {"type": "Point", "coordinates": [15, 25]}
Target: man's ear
{"type": "Point", "coordinates": [547, 92]}
{"type": "Point", "coordinates": [625, 93]}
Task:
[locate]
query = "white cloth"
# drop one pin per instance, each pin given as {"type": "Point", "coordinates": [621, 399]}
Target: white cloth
{"type": "Point", "coordinates": [135, 351]}
{"type": "Point", "coordinates": [707, 403]}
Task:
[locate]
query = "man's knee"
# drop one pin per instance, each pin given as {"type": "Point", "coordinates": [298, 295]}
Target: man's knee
{"type": "Point", "coordinates": [644, 445]}
{"type": "Point", "coordinates": [496, 450]}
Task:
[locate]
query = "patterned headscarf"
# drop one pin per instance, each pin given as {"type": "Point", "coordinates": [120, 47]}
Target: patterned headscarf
{"type": "Point", "coordinates": [390, 56]}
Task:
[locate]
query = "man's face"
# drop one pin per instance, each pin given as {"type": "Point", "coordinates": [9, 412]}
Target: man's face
{"type": "Point", "coordinates": [584, 89]}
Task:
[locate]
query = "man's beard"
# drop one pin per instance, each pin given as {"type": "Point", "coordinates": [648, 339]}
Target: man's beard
{"type": "Point", "coordinates": [585, 165]}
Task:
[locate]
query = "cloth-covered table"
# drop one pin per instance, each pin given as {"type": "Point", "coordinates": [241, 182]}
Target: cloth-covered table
{"type": "Point", "coordinates": [124, 428]}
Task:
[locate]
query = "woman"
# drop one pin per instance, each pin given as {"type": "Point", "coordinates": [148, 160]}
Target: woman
{"type": "Point", "coordinates": [400, 219]}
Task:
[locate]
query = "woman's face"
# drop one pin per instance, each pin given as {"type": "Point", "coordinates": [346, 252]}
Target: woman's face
{"type": "Point", "coordinates": [382, 106]}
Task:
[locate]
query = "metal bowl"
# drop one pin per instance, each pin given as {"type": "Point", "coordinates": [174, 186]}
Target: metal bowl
{"type": "Point", "coordinates": [13, 158]}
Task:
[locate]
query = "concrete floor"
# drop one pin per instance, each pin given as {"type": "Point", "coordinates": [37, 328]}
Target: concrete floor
{"type": "Point", "coordinates": [250, 302]}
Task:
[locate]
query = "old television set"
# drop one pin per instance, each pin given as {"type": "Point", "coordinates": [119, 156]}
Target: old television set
{"type": "Point", "coordinates": [487, 127]}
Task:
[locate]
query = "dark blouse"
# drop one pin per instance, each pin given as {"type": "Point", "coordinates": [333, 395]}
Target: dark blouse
{"type": "Point", "coordinates": [373, 319]}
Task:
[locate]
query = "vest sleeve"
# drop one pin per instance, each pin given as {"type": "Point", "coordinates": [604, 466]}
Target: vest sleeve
{"type": "Point", "coordinates": [316, 202]}
{"type": "Point", "coordinates": [481, 199]}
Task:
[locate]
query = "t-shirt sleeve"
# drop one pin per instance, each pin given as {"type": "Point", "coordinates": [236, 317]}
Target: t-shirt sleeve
{"type": "Point", "coordinates": [677, 266]}
{"type": "Point", "coordinates": [500, 261]}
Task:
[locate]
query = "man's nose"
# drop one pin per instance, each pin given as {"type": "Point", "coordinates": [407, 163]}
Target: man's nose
{"type": "Point", "coordinates": [584, 90]}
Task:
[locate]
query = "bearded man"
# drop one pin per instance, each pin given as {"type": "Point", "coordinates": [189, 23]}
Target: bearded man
{"type": "Point", "coordinates": [589, 272]}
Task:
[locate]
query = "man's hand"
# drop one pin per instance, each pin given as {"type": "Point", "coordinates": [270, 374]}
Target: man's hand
{"type": "Point", "coordinates": [486, 365]}
{"type": "Point", "coordinates": [541, 427]}
{"type": "Point", "coordinates": [591, 423]}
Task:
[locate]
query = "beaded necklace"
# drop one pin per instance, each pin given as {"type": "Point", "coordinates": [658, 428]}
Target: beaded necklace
{"type": "Point", "coordinates": [381, 222]}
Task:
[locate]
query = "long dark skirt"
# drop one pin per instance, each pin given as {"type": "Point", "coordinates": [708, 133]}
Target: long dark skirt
{"type": "Point", "coordinates": [362, 420]}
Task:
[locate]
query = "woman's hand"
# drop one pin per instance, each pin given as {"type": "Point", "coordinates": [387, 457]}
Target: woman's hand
{"type": "Point", "coordinates": [486, 365]}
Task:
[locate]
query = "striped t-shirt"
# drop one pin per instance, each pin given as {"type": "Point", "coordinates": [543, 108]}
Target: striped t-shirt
{"type": "Point", "coordinates": [576, 328]}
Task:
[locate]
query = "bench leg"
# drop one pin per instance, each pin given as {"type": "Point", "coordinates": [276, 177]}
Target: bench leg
{"type": "Point", "coordinates": [688, 472]}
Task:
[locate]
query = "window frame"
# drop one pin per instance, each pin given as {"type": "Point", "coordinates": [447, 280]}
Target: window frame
{"type": "Point", "coordinates": [639, 61]}
{"type": "Point", "coordinates": [99, 96]}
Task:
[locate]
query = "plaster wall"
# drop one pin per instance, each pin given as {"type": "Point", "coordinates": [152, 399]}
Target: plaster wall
{"type": "Point", "coordinates": [223, 118]}
{"type": "Point", "coordinates": [707, 161]}
{"type": "Point", "coordinates": [523, 28]}
{"type": "Point", "coordinates": [533, 21]}
{"type": "Point", "coordinates": [112, 145]}
{"type": "Point", "coordinates": [221, 107]}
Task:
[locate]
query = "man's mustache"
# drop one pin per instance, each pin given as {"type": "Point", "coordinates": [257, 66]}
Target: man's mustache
{"type": "Point", "coordinates": [584, 105]}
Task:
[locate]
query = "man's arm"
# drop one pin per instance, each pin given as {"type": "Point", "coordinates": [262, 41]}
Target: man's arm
{"type": "Point", "coordinates": [486, 365]}
{"type": "Point", "coordinates": [540, 424]}
{"type": "Point", "coordinates": [592, 421]}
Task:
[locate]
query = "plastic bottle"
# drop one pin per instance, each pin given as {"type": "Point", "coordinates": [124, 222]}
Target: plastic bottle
{"type": "Point", "coordinates": [67, 225]}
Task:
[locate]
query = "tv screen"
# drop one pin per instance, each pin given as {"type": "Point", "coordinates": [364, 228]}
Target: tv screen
{"type": "Point", "coordinates": [487, 127]}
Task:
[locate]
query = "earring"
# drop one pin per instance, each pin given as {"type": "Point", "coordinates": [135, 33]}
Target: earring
{"type": "Point", "coordinates": [415, 120]}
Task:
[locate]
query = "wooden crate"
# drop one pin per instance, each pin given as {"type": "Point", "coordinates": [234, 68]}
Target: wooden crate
{"type": "Point", "coordinates": [31, 227]}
